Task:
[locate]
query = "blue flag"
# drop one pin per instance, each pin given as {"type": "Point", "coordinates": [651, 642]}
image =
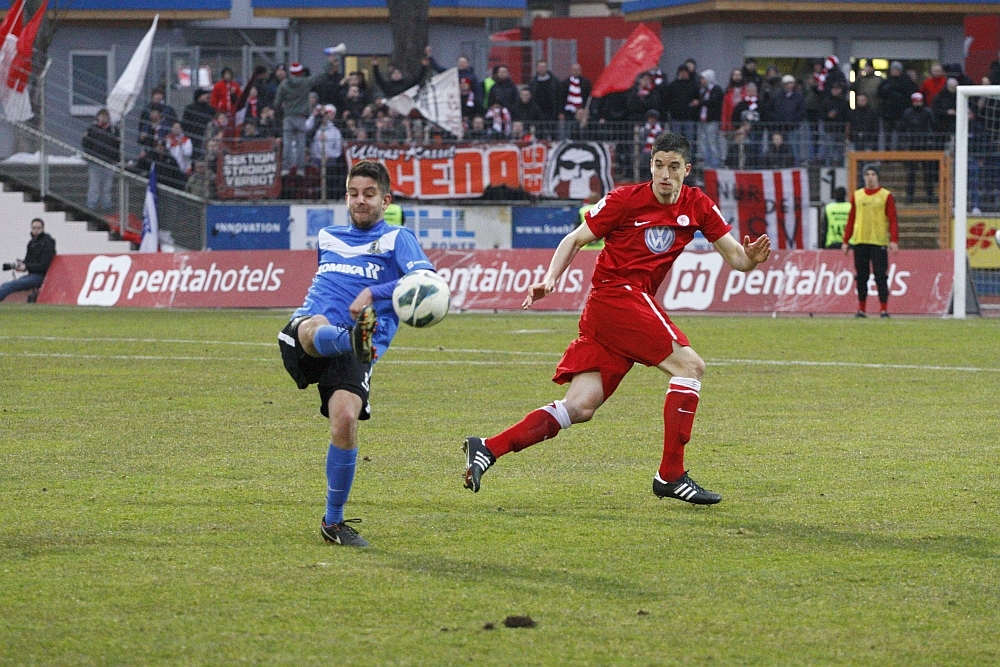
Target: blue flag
{"type": "Point", "coordinates": [150, 219]}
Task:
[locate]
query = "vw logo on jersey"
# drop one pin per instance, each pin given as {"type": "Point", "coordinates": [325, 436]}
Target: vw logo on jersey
{"type": "Point", "coordinates": [683, 220]}
{"type": "Point", "coordinates": [659, 239]}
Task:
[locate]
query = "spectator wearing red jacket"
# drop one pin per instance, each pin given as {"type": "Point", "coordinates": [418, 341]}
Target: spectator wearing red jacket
{"type": "Point", "coordinates": [933, 84]}
{"type": "Point", "coordinates": [226, 93]}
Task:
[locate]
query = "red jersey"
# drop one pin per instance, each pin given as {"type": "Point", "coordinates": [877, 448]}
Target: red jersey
{"type": "Point", "coordinates": [643, 237]}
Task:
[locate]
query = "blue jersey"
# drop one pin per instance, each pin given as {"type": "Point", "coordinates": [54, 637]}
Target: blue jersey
{"type": "Point", "coordinates": [350, 260]}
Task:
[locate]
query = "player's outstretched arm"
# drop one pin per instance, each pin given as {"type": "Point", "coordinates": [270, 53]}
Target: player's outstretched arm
{"type": "Point", "coordinates": [561, 260]}
{"type": "Point", "coordinates": [744, 257]}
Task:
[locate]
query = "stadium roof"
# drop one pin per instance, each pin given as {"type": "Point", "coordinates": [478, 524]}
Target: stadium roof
{"type": "Point", "coordinates": [377, 9]}
{"type": "Point", "coordinates": [138, 9]}
{"type": "Point", "coordinates": [809, 10]}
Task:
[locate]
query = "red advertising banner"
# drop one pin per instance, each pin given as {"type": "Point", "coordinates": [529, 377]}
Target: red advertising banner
{"type": "Point", "coordinates": [806, 281]}
{"type": "Point", "coordinates": [793, 281]}
{"type": "Point", "coordinates": [561, 169]}
{"type": "Point", "coordinates": [233, 279]}
{"type": "Point", "coordinates": [249, 169]}
{"type": "Point", "coordinates": [499, 279]}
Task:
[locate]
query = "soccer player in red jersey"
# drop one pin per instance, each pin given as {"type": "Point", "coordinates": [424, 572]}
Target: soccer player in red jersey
{"type": "Point", "coordinates": [644, 227]}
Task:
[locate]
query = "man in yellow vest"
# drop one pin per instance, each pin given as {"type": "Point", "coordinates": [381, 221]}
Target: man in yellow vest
{"type": "Point", "coordinates": [394, 215]}
{"type": "Point", "coordinates": [836, 213]}
{"type": "Point", "coordinates": [871, 226]}
{"type": "Point", "coordinates": [588, 204]}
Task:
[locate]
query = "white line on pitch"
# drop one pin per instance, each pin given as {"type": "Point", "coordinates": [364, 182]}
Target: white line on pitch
{"type": "Point", "coordinates": [848, 364]}
{"type": "Point", "coordinates": [182, 341]}
{"type": "Point", "coordinates": [710, 362]}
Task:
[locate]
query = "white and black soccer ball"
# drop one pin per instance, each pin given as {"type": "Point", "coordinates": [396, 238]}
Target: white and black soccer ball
{"type": "Point", "coordinates": [421, 298]}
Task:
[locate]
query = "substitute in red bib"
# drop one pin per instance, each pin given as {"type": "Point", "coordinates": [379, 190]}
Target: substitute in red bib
{"type": "Point", "coordinates": [644, 227]}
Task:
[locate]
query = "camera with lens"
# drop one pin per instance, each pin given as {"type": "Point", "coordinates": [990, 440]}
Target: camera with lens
{"type": "Point", "coordinates": [12, 266]}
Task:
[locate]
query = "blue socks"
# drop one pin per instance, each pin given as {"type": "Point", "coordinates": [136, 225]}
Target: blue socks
{"type": "Point", "coordinates": [340, 465]}
{"type": "Point", "coordinates": [331, 341]}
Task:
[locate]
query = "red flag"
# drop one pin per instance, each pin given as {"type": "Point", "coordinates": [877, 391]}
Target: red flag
{"type": "Point", "coordinates": [640, 52]}
{"type": "Point", "coordinates": [12, 21]}
{"type": "Point", "coordinates": [20, 69]}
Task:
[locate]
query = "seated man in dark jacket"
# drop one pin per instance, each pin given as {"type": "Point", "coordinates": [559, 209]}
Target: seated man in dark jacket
{"type": "Point", "coordinates": [41, 251]}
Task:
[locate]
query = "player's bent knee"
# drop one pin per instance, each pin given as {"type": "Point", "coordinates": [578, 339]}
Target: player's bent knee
{"type": "Point", "coordinates": [307, 331]}
{"type": "Point", "coordinates": [581, 415]}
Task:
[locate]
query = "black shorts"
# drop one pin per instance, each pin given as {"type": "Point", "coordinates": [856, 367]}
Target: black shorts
{"type": "Point", "coordinates": [343, 372]}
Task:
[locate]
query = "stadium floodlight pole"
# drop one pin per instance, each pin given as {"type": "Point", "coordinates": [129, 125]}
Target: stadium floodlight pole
{"type": "Point", "coordinates": [960, 230]}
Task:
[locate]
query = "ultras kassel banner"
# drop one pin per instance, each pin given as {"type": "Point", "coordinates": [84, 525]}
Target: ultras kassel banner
{"type": "Point", "coordinates": [560, 169]}
{"type": "Point", "coordinates": [792, 281]}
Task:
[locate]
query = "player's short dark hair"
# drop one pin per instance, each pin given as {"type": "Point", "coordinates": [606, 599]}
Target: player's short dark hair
{"type": "Point", "coordinates": [373, 170]}
{"type": "Point", "coordinates": [38, 220]}
{"type": "Point", "coordinates": [671, 142]}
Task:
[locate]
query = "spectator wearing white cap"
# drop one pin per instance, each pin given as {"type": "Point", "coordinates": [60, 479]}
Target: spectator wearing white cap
{"type": "Point", "coordinates": [327, 147]}
{"type": "Point", "coordinates": [292, 99]}
{"type": "Point", "coordinates": [917, 131]}
{"type": "Point", "coordinates": [327, 142]}
{"type": "Point", "coordinates": [894, 99]}
{"type": "Point", "coordinates": [710, 142]}
{"type": "Point", "coordinates": [788, 111]}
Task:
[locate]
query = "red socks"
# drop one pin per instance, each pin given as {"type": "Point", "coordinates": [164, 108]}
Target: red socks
{"type": "Point", "coordinates": [538, 425]}
{"type": "Point", "coordinates": [861, 306]}
{"type": "Point", "coordinates": [678, 418]}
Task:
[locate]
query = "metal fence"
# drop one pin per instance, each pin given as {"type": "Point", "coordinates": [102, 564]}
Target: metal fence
{"type": "Point", "coordinates": [107, 194]}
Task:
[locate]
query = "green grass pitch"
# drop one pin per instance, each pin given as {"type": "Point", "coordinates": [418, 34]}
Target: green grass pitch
{"type": "Point", "coordinates": [162, 482]}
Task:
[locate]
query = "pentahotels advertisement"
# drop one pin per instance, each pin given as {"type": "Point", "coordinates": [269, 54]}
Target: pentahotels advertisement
{"type": "Point", "coordinates": [806, 281]}
{"type": "Point", "coordinates": [792, 281]}
{"type": "Point", "coordinates": [225, 279]}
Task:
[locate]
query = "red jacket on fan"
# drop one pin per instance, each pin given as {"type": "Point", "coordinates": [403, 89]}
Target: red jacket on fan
{"type": "Point", "coordinates": [224, 95]}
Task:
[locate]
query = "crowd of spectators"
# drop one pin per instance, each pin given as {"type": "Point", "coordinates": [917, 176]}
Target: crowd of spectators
{"type": "Point", "coordinates": [752, 119]}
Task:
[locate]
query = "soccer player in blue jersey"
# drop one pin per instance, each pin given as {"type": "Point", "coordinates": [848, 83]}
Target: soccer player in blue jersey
{"type": "Point", "coordinates": [347, 319]}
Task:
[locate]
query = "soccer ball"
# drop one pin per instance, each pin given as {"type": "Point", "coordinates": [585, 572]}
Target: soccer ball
{"type": "Point", "coordinates": [997, 237]}
{"type": "Point", "coordinates": [421, 298]}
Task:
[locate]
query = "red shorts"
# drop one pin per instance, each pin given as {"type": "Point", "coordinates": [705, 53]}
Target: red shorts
{"type": "Point", "coordinates": [619, 327]}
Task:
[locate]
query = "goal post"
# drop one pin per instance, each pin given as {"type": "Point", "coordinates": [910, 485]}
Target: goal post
{"type": "Point", "coordinates": [960, 231]}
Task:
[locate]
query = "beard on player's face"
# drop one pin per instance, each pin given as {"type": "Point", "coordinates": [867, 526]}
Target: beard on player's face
{"type": "Point", "coordinates": [364, 216]}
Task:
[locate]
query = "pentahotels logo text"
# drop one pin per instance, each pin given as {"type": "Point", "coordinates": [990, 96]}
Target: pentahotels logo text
{"type": "Point", "coordinates": [692, 281]}
{"type": "Point", "coordinates": [793, 280]}
{"type": "Point", "coordinates": [106, 278]}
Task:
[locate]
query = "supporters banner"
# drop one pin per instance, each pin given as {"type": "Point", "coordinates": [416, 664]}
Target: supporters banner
{"type": "Point", "coordinates": [792, 281]}
{"type": "Point", "coordinates": [249, 169]}
{"type": "Point", "coordinates": [775, 203]}
{"type": "Point", "coordinates": [561, 169]}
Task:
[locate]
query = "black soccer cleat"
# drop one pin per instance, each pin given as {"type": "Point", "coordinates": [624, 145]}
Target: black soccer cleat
{"type": "Point", "coordinates": [361, 335]}
{"type": "Point", "coordinates": [685, 489]}
{"type": "Point", "coordinates": [884, 314]}
{"type": "Point", "coordinates": [341, 533]}
{"type": "Point", "coordinates": [860, 315]}
{"type": "Point", "coordinates": [478, 459]}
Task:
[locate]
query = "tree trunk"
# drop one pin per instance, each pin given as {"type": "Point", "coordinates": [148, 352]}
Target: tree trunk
{"type": "Point", "coordinates": [408, 19]}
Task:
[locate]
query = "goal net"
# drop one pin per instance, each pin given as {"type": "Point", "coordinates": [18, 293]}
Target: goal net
{"type": "Point", "coordinates": [977, 198]}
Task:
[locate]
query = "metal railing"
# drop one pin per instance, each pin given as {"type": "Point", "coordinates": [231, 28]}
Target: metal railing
{"type": "Point", "coordinates": [107, 194]}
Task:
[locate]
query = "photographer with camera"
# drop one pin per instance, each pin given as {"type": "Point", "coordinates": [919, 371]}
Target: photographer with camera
{"type": "Point", "coordinates": [41, 251]}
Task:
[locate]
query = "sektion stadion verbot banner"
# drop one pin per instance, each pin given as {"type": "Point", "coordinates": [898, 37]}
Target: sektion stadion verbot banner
{"type": "Point", "coordinates": [791, 281]}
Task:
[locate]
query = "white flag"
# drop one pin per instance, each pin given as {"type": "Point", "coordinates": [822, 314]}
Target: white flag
{"type": "Point", "coordinates": [123, 96]}
{"type": "Point", "coordinates": [150, 218]}
{"type": "Point", "coordinates": [437, 100]}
